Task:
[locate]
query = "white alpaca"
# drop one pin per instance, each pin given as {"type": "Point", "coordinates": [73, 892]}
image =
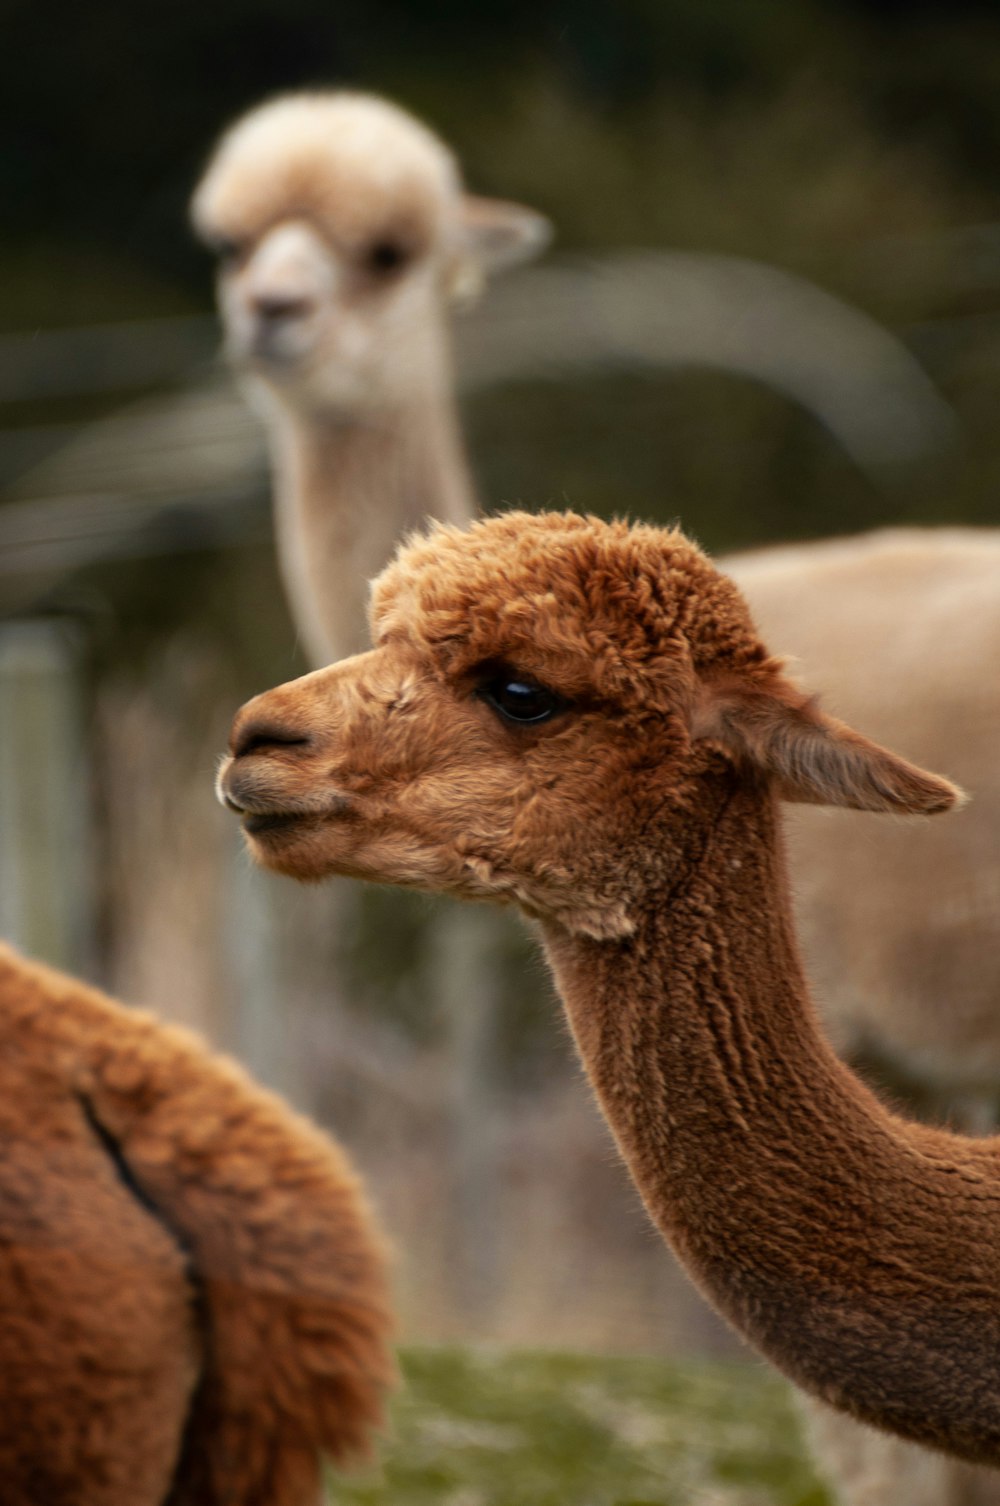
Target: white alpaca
{"type": "Point", "coordinates": [345, 238]}
{"type": "Point", "coordinates": [344, 235]}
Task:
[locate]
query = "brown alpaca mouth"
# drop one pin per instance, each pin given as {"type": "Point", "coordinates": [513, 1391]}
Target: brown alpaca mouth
{"type": "Point", "coordinates": [256, 822]}
{"type": "Point", "coordinates": [268, 822]}
{"type": "Point", "coordinates": [265, 811]}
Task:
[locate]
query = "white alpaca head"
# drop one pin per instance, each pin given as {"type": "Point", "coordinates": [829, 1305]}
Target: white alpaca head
{"type": "Point", "coordinates": [343, 232]}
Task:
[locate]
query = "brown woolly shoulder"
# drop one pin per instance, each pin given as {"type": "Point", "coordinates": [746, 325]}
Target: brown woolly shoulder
{"type": "Point", "coordinates": [257, 1206]}
{"type": "Point", "coordinates": [62, 1011]}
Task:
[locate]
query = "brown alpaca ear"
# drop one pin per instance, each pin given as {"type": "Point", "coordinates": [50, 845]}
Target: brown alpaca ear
{"type": "Point", "coordinates": [495, 235]}
{"type": "Point", "coordinates": [772, 725]}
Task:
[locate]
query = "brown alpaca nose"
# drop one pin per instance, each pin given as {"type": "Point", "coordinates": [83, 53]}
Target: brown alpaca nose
{"type": "Point", "coordinates": [259, 735]}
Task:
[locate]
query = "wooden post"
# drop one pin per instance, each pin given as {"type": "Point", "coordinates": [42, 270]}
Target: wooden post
{"type": "Point", "coordinates": [465, 965]}
{"type": "Point", "coordinates": [261, 1031]}
{"type": "Point", "coordinates": [46, 900]}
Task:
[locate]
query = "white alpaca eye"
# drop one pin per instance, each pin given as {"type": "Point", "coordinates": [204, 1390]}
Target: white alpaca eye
{"type": "Point", "coordinates": [521, 700]}
{"type": "Point", "coordinates": [385, 256]}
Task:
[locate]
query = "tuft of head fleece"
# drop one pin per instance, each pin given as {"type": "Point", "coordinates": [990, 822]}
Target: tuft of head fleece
{"type": "Point", "coordinates": [336, 159]}
{"type": "Point", "coordinates": [639, 618]}
{"type": "Point", "coordinates": [611, 605]}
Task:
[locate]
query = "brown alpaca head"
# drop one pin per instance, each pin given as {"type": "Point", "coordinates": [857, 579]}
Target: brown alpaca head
{"type": "Point", "coordinates": [547, 702]}
{"type": "Point", "coordinates": [342, 231]}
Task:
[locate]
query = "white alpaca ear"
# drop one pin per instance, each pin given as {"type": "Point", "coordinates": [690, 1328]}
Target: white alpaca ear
{"type": "Point", "coordinates": [494, 235]}
{"type": "Point", "coordinates": [765, 721]}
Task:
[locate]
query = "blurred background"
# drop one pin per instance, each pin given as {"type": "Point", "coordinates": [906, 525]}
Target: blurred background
{"type": "Point", "coordinates": [772, 310]}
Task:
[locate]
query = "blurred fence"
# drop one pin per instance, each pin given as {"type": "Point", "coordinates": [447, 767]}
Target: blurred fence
{"type": "Point", "coordinates": [175, 473]}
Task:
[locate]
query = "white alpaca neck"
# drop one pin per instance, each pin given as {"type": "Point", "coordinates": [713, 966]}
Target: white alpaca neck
{"type": "Point", "coordinates": [349, 486]}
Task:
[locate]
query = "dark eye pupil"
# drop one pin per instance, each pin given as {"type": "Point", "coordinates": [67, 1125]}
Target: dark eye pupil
{"type": "Point", "coordinates": [522, 701]}
{"type": "Point", "coordinates": [385, 256]}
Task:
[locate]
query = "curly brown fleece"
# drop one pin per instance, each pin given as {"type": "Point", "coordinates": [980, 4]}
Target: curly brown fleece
{"type": "Point", "coordinates": [193, 1303]}
{"type": "Point", "coordinates": [637, 819]}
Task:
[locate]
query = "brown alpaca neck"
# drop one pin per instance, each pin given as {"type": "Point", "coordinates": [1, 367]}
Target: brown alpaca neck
{"type": "Point", "coordinates": [857, 1251]}
{"type": "Point", "coordinates": [349, 487]}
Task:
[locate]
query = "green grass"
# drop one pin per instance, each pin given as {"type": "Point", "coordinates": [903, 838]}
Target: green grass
{"type": "Point", "coordinates": [493, 1428]}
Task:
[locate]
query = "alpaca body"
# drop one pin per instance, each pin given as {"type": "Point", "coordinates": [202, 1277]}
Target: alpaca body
{"type": "Point", "coordinates": [192, 1294]}
{"type": "Point", "coordinates": [581, 718]}
{"type": "Point", "coordinates": [908, 981]}
{"type": "Point", "coordinates": [101, 1353]}
{"type": "Point", "coordinates": [907, 985]}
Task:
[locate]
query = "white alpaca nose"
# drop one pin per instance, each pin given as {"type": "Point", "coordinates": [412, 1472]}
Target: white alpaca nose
{"type": "Point", "coordinates": [275, 302]}
{"type": "Point", "coordinates": [291, 271]}
{"type": "Point", "coordinates": [281, 307]}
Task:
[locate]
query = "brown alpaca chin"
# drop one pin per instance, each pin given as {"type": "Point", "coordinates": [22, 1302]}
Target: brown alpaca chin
{"type": "Point", "coordinates": [271, 823]}
{"type": "Point", "coordinates": [302, 847]}
{"type": "Point", "coordinates": [278, 838]}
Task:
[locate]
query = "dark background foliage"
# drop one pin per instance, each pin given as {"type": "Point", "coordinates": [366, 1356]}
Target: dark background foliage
{"type": "Point", "coordinates": [108, 108]}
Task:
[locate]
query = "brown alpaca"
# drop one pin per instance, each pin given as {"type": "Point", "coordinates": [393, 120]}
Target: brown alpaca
{"type": "Point", "coordinates": [193, 1296]}
{"type": "Point", "coordinates": [581, 718]}
{"type": "Point", "coordinates": [344, 235]}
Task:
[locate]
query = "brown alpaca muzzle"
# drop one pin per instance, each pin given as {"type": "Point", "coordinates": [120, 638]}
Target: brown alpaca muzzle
{"type": "Point", "coordinates": [269, 777]}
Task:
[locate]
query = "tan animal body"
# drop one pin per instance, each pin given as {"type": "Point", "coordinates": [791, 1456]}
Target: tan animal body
{"type": "Point", "coordinates": [581, 718]}
{"type": "Point", "coordinates": [901, 926]}
{"type": "Point", "coordinates": [344, 235]}
{"type": "Point", "coordinates": [193, 1300]}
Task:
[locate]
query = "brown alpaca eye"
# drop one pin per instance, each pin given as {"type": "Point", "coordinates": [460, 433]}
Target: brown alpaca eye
{"type": "Point", "coordinates": [520, 700]}
{"type": "Point", "coordinates": [385, 256]}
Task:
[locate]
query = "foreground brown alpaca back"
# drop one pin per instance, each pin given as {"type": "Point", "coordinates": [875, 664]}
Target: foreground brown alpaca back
{"type": "Point", "coordinates": [193, 1304]}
